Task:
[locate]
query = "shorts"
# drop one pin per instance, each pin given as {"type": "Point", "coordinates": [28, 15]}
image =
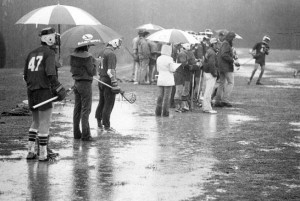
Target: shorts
{"type": "Point", "coordinates": [37, 96]}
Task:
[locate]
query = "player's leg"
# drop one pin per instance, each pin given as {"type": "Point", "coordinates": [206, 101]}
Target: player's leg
{"type": "Point", "coordinates": [32, 135]}
{"type": "Point", "coordinates": [253, 72]}
{"type": "Point", "coordinates": [262, 66]}
{"type": "Point", "coordinates": [44, 120]}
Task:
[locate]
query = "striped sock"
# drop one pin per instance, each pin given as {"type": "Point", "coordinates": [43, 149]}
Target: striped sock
{"type": "Point", "coordinates": [32, 134]}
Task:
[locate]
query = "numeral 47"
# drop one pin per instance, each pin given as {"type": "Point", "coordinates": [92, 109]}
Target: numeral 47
{"type": "Point", "coordinates": [34, 63]}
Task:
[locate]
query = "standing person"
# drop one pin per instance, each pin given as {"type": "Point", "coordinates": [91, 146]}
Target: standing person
{"type": "Point", "coordinates": [165, 81]}
{"type": "Point", "coordinates": [226, 64]}
{"type": "Point", "coordinates": [221, 38]}
{"type": "Point", "coordinates": [210, 75]}
{"type": "Point", "coordinates": [83, 68]}
{"type": "Point", "coordinates": [181, 75]}
{"type": "Point", "coordinates": [200, 50]}
{"type": "Point", "coordinates": [259, 52]}
{"type": "Point", "coordinates": [135, 59]}
{"type": "Point", "coordinates": [154, 47]}
{"type": "Point", "coordinates": [192, 67]}
{"type": "Point", "coordinates": [107, 95]}
{"type": "Point", "coordinates": [144, 53]}
{"type": "Point", "coordinates": [41, 78]}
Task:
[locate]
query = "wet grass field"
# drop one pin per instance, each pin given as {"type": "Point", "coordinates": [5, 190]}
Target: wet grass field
{"type": "Point", "coordinates": [248, 152]}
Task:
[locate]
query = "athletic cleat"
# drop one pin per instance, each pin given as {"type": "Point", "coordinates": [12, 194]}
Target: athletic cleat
{"type": "Point", "coordinates": [259, 83]}
{"type": "Point", "coordinates": [210, 111]}
{"type": "Point", "coordinates": [88, 139]}
{"type": "Point", "coordinates": [226, 104]}
{"type": "Point", "coordinates": [31, 156]}
{"type": "Point", "coordinates": [249, 82]}
{"type": "Point", "coordinates": [219, 104]}
{"type": "Point", "coordinates": [109, 130]}
{"type": "Point", "coordinates": [49, 158]}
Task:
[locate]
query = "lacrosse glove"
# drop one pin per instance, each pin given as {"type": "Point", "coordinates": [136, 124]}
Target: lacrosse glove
{"type": "Point", "coordinates": [115, 88]}
{"type": "Point", "coordinates": [60, 91]}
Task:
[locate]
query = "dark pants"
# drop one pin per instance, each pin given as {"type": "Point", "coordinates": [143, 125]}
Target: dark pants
{"type": "Point", "coordinates": [105, 106]}
{"type": "Point", "coordinates": [82, 109]}
{"type": "Point", "coordinates": [163, 101]}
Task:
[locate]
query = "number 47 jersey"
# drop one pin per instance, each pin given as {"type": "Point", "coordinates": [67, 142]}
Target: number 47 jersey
{"type": "Point", "coordinates": [40, 63]}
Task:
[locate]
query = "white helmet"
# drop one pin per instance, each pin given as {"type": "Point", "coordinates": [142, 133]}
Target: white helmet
{"type": "Point", "coordinates": [186, 46]}
{"type": "Point", "coordinates": [115, 43]}
{"type": "Point", "coordinates": [48, 36]}
{"type": "Point", "coordinates": [266, 39]}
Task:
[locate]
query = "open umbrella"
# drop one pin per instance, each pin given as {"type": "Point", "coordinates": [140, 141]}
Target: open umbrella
{"type": "Point", "coordinates": [58, 14]}
{"type": "Point", "coordinates": [87, 35]}
{"type": "Point", "coordinates": [150, 27]}
{"type": "Point", "coordinates": [225, 31]}
{"type": "Point", "coordinates": [172, 36]}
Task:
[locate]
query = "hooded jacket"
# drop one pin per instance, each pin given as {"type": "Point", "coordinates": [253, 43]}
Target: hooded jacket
{"type": "Point", "coordinates": [83, 66]}
{"type": "Point", "coordinates": [225, 55]}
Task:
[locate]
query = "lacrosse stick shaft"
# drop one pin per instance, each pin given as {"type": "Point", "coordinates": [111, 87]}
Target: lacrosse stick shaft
{"type": "Point", "coordinates": [45, 102]}
{"type": "Point", "coordinates": [247, 61]}
{"type": "Point", "coordinates": [51, 99]}
{"type": "Point", "coordinates": [192, 91]}
{"type": "Point", "coordinates": [199, 86]}
{"type": "Point", "coordinates": [102, 82]}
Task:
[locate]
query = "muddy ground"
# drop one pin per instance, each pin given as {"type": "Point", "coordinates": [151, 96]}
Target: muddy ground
{"type": "Point", "coordinates": [248, 152]}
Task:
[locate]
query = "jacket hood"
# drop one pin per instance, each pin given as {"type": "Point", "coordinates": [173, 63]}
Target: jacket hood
{"type": "Point", "coordinates": [230, 36]}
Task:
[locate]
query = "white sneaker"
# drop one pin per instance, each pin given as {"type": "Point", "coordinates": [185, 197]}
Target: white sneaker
{"type": "Point", "coordinates": [136, 83]}
{"type": "Point", "coordinates": [211, 111]}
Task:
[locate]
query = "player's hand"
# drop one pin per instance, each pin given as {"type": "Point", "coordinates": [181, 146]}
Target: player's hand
{"type": "Point", "coordinates": [61, 92]}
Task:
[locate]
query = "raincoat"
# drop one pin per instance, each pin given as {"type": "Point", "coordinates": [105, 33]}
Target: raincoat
{"type": "Point", "coordinates": [225, 55]}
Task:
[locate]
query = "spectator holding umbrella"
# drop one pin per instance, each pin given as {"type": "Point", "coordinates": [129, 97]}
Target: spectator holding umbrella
{"type": "Point", "coordinates": [83, 68]}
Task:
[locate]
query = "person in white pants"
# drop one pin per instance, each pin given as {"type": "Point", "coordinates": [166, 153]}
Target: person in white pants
{"type": "Point", "coordinates": [210, 75]}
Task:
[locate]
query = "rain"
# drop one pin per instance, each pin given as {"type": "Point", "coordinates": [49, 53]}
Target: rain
{"type": "Point", "coordinates": [241, 153]}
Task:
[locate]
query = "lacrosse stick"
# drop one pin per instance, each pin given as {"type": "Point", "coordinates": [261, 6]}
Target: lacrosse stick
{"type": "Point", "coordinates": [192, 95]}
{"type": "Point", "coordinates": [199, 86]}
{"type": "Point", "coordinates": [69, 91]}
{"type": "Point", "coordinates": [130, 97]}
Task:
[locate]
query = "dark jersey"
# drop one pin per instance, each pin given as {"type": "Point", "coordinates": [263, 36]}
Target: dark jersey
{"type": "Point", "coordinates": [261, 50]}
{"type": "Point", "coordinates": [40, 64]}
{"type": "Point", "coordinates": [109, 61]}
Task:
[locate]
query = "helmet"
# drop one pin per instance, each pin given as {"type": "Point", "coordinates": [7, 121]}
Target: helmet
{"type": "Point", "coordinates": [49, 36]}
{"type": "Point", "coordinates": [186, 46]}
{"type": "Point", "coordinates": [266, 39]}
{"type": "Point", "coordinates": [213, 41]}
{"type": "Point", "coordinates": [115, 43]}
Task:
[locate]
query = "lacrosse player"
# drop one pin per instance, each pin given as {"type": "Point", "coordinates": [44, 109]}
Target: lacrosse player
{"type": "Point", "coordinates": [259, 52]}
{"type": "Point", "coordinates": [40, 76]}
{"type": "Point", "coordinates": [107, 95]}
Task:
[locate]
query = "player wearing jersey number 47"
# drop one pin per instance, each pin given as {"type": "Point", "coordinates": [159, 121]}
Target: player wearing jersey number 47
{"type": "Point", "coordinates": [40, 76]}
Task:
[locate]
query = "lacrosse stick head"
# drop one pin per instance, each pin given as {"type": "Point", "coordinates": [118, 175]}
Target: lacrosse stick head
{"type": "Point", "coordinates": [128, 96]}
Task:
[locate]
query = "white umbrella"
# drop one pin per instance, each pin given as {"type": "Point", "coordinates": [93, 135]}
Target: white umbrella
{"type": "Point", "coordinates": [150, 27]}
{"type": "Point", "coordinates": [58, 14]}
{"type": "Point", "coordinates": [173, 36]}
